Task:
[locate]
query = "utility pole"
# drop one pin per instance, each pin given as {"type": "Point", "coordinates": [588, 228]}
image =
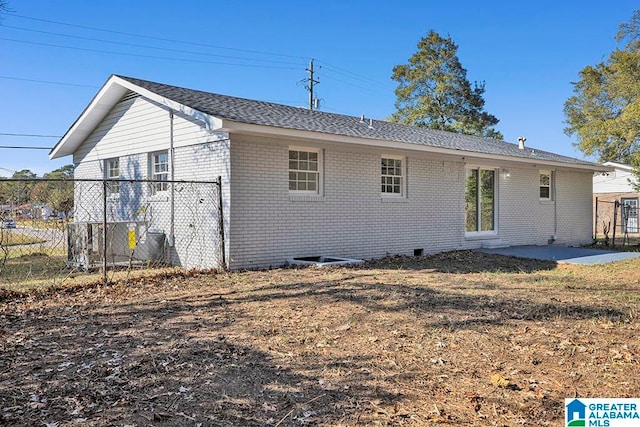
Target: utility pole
{"type": "Point", "coordinates": [309, 86]}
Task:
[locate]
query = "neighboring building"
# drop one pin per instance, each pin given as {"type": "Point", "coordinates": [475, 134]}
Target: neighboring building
{"type": "Point", "coordinates": [301, 183]}
{"type": "Point", "coordinates": [616, 185]}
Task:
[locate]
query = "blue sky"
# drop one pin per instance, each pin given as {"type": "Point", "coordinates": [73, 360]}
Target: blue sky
{"type": "Point", "coordinates": [528, 53]}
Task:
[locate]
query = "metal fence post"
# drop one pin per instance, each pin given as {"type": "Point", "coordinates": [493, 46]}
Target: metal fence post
{"type": "Point", "coordinates": [221, 223]}
{"type": "Point", "coordinates": [595, 223]}
{"type": "Point", "coordinates": [615, 221]}
{"type": "Point", "coordinates": [104, 231]}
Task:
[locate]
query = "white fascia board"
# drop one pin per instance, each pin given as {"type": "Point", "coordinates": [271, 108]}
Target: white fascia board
{"type": "Point", "coordinates": [104, 101]}
{"type": "Point", "coordinates": [97, 109]}
{"type": "Point", "coordinates": [620, 166]}
{"type": "Point", "coordinates": [468, 156]}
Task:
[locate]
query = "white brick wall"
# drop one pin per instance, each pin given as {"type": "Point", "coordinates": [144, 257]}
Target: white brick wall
{"type": "Point", "coordinates": [196, 228]}
{"type": "Point", "coordinates": [575, 208]}
{"type": "Point", "coordinates": [352, 219]}
{"type": "Point", "coordinates": [523, 217]}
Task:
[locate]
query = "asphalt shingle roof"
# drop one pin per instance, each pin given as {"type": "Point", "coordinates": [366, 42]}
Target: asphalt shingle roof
{"type": "Point", "coordinates": [283, 116]}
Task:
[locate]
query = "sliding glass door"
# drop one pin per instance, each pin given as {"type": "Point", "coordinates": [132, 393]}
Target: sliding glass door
{"type": "Point", "coordinates": [480, 201]}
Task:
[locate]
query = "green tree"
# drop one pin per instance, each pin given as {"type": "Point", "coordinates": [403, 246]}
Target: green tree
{"type": "Point", "coordinates": [19, 192]}
{"type": "Point", "coordinates": [604, 111]}
{"type": "Point", "coordinates": [60, 193]}
{"type": "Point", "coordinates": [630, 32]}
{"type": "Point", "coordinates": [433, 91]}
{"type": "Point", "coordinates": [65, 172]}
{"type": "Point", "coordinates": [40, 192]}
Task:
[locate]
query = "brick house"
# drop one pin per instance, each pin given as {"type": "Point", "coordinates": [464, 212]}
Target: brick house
{"type": "Point", "coordinates": [301, 183]}
{"type": "Point", "coordinates": [616, 185]}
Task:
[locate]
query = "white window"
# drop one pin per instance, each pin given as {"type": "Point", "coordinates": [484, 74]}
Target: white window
{"type": "Point", "coordinates": [159, 171]}
{"type": "Point", "coordinates": [112, 174]}
{"type": "Point", "coordinates": [392, 176]}
{"type": "Point", "coordinates": [480, 201]}
{"type": "Point", "coordinates": [305, 165]}
{"type": "Point", "coordinates": [545, 185]}
{"type": "Point", "coordinates": [629, 214]}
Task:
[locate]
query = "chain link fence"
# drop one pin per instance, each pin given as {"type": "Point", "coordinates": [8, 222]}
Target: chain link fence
{"type": "Point", "coordinates": [54, 231]}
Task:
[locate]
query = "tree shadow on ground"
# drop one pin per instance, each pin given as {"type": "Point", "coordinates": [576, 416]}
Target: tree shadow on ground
{"type": "Point", "coordinates": [461, 262]}
{"type": "Point", "coordinates": [432, 305]}
{"type": "Point", "coordinates": [164, 360]}
{"type": "Point", "coordinates": [163, 365]}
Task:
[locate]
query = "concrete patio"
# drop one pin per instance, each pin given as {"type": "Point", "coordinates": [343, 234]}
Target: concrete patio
{"type": "Point", "coordinates": [564, 254]}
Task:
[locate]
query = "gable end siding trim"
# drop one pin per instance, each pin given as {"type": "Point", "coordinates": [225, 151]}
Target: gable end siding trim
{"type": "Point", "coordinates": [139, 125]}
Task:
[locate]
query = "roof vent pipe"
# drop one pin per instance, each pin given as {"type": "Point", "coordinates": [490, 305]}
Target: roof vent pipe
{"type": "Point", "coordinates": [521, 141]}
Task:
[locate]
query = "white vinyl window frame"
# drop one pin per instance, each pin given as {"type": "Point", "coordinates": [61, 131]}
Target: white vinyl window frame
{"type": "Point", "coordinates": [393, 176]}
{"type": "Point", "coordinates": [629, 214]}
{"type": "Point", "coordinates": [305, 171]}
{"type": "Point", "coordinates": [545, 191]}
{"type": "Point", "coordinates": [111, 173]}
{"type": "Point", "coordinates": [159, 171]}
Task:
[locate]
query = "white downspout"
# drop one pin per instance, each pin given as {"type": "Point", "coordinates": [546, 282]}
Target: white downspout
{"type": "Point", "coordinates": [554, 177]}
{"type": "Point", "coordinates": [171, 178]}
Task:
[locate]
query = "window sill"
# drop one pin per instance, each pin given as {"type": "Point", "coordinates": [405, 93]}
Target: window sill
{"type": "Point", "coordinates": [547, 201]}
{"type": "Point", "coordinates": [392, 199]}
{"type": "Point", "coordinates": [306, 198]}
{"type": "Point", "coordinates": [484, 235]}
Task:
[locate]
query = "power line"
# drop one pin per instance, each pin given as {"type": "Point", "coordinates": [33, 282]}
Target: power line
{"type": "Point", "coordinates": [330, 68]}
{"type": "Point", "coordinates": [369, 89]}
{"type": "Point", "coordinates": [157, 38]}
{"type": "Point", "coordinates": [30, 135]}
{"type": "Point", "coordinates": [350, 74]}
{"type": "Point", "coordinates": [48, 82]}
{"type": "Point", "coordinates": [146, 56]}
{"type": "Point", "coordinates": [16, 147]}
{"type": "Point", "coordinates": [152, 47]}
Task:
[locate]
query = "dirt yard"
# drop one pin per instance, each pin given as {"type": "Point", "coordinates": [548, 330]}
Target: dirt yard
{"type": "Point", "coordinates": [457, 339]}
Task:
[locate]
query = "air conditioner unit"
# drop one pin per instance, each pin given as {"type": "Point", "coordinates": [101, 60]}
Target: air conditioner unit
{"type": "Point", "coordinates": [128, 243]}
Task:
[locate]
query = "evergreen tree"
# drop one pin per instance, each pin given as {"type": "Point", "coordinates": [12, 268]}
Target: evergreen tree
{"type": "Point", "coordinates": [433, 91]}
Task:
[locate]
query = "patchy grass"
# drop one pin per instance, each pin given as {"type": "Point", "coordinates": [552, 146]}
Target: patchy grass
{"type": "Point", "coordinates": [33, 270]}
{"type": "Point", "coordinates": [49, 224]}
{"type": "Point", "coordinates": [35, 250]}
{"type": "Point", "coordinates": [46, 272]}
{"type": "Point", "coordinates": [15, 238]}
{"type": "Point", "coordinates": [456, 339]}
{"type": "Point", "coordinates": [632, 244]}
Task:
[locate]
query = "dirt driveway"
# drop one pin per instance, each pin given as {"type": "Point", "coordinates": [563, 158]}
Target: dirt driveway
{"type": "Point", "coordinates": [458, 339]}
